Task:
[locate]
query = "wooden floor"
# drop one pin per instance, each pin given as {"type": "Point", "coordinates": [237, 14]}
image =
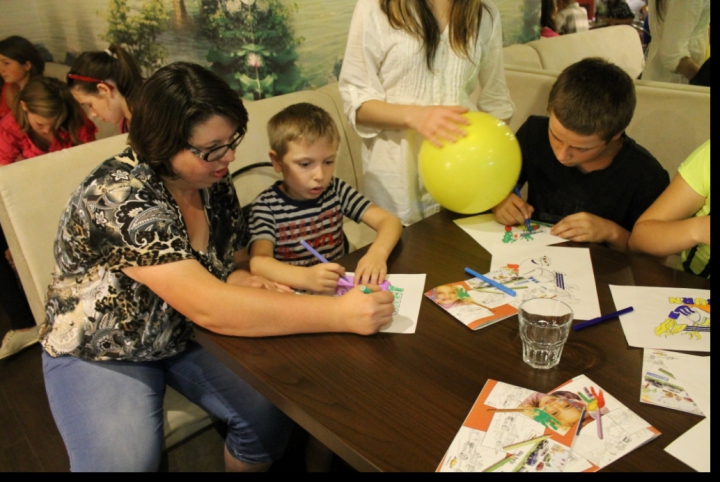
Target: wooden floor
{"type": "Point", "coordinates": [30, 441]}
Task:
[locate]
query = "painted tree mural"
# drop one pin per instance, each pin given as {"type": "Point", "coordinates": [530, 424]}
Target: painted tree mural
{"type": "Point", "coordinates": [138, 33]}
{"type": "Point", "coordinates": [253, 46]}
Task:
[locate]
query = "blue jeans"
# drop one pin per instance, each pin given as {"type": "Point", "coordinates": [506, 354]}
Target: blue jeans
{"type": "Point", "coordinates": [110, 413]}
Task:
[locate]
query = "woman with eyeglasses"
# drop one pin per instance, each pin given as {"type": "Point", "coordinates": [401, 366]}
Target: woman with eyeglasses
{"type": "Point", "coordinates": [19, 62]}
{"type": "Point", "coordinates": [106, 82]}
{"type": "Point", "coordinates": [152, 242]}
{"type": "Point", "coordinates": [45, 118]}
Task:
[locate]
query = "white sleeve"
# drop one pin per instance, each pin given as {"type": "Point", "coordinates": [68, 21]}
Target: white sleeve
{"type": "Point", "coordinates": [680, 20]}
{"type": "Point", "coordinates": [359, 80]}
{"type": "Point", "coordinates": [494, 95]}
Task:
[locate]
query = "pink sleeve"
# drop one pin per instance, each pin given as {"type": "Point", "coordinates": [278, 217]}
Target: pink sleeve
{"type": "Point", "coordinates": [87, 131]}
{"type": "Point", "coordinates": [9, 145]}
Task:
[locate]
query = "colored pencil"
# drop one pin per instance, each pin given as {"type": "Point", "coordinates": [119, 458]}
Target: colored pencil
{"type": "Point", "coordinates": [526, 442]}
{"type": "Point", "coordinates": [491, 282]}
{"type": "Point", "coordinates": [527, 221]}
{"type": "Point", "coordinates": [600, 319]}
{"type": "Point", "coordinates": [319, 256]}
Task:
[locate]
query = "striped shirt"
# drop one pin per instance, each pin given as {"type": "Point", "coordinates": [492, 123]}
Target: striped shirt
{"type": "Point", "coordinates": [285, 222]}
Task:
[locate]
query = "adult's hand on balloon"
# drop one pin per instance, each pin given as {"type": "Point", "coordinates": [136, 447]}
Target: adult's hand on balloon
{"type": "Point", "coordinates": [439, 122]}
{"type": "Point", "coordinates": [512, 210]}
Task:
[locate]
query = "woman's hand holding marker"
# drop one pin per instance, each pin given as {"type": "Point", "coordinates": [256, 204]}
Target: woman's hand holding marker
{"type": "Point", "coordinates": [370, 309]}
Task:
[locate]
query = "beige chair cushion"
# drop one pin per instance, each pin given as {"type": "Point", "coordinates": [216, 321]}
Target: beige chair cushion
{"type": "Point", "coordinates": [521, 55]}
{"type": "Point", "coordinates": [619, 44]}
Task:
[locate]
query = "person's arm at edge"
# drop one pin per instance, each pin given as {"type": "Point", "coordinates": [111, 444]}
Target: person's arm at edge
{"type": "Point", "coordinates": [388, 228]}
{"type": "Point", "coordinates": [320, 278]}
{"type": "Point", "coordinates": [669, 225]}
{"type": "Point", "coordinates": [233, 310]}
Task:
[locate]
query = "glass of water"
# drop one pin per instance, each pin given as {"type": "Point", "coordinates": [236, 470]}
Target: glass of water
{"type": "Point", "coordinates": [544, 327]}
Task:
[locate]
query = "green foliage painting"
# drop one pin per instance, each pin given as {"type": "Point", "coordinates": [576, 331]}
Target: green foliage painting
{"type": "Point", "coordinates": [138, 33]}
{"type": "Point", "coordinates": [253, 46]}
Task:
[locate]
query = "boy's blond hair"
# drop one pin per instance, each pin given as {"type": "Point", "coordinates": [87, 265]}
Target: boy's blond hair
{"type": "Point", "coordinates": [300, 122]}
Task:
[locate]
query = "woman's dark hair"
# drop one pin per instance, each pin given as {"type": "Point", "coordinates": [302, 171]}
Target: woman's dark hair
{"type": "Point", "coordinates": [547, 15]}
{"type": "Point", "coordinates": [593, 97]}
{"type": "Point", "coordinates": [417, 19]}
{"type": "Point", "coordinates": [172, 103]}
{"type": "Point", "coordinates": [50, 98]}
{"type": "Point", "coordinates": [112, 64]}
{"type": "Point", "coordinates": [21, 50]}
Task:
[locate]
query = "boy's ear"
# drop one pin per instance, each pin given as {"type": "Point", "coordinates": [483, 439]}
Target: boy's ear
{"type": "Point", "coordinates": [275, 159]}
{"type": "Point", "coordinates": [617, 136]}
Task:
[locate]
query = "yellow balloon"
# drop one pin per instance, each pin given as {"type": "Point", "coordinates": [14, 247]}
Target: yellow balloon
{"type": "Point", "coordinates": [478, 171]}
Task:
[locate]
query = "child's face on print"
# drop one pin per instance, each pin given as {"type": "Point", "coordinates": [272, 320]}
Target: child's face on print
{"type": "Point", "coordinates": [307, 168]}
{"type": "Point", "coordinates": [446, 295]}
{"type": "Point", "coordinates": [566, 413]}
{"type": "Point", "coordinates": [574, 150]}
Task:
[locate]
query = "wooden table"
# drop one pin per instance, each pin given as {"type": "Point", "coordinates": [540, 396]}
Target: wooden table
{"type": "Point", "coordinates": [395, 402]}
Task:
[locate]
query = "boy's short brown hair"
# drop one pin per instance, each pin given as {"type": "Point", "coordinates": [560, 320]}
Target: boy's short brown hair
{"type": "Point", "coordinates": [593, 97]}
{"type": "Point", "coordinates": [304, 121]}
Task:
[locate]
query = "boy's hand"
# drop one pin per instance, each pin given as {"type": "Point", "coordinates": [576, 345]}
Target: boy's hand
{"type": "Point", "coordinates": [371, 269]}
{"type": "Point", "coordinates": [512, 211]}
{"type": "Point", "coordinates": [589, 228]}
{"type": "Point", "coordinates": [363, 313]}
{"type": "Point", "coordinates": [323, 277]}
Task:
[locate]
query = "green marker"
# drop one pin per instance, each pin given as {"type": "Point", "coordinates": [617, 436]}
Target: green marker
{"type": "Point", "coordinates": [365, 289]}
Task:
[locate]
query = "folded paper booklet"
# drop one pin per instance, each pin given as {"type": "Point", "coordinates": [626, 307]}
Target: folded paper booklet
{"type": "Point", "coordinates": [576, 427]}
{"type": "Point", "coordinates": [477, 304]}
{"type": "Point", "coordinates": [513, 429]}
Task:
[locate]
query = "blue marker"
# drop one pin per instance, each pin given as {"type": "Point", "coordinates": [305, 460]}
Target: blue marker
{"type": "Point", "coordinates": [491, 282]}
{"type": "Point", "coordinates": [527, 221]}
{"type": "Point", "coordinates": [319, 256]}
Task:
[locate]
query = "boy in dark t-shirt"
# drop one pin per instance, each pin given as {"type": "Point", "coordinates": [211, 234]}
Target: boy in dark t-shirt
{"type": "Point", "coordinates": [583, 172]}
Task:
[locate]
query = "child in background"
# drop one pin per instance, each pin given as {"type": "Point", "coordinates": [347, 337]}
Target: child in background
{"type": "Point", "coordinates": [45, 119]}
{"type": "Point", "coordinates": [106, 83]}
{"type": "Point", "coordinates": [19, 62]}
{"type": "Point", "coordinates": [584, 174]}
{"type": "Point", "coordinates": [571, 17]}
{"type": "Point", "coordinates": [309, 204]}
{"type": "Point", "coordinates": [679, 220]}
{"type": "Point", "coordinates": [548, 28]}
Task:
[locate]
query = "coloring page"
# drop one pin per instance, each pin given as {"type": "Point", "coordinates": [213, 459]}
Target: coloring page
{"type": "Point", "coordinates": [665, 318]}
{"type": "Point", "coordinates": [665, 377]}
{"type": "Point", "coordinates": [496, 237]}
{"type": "Point", "coordinates": [564, 273]}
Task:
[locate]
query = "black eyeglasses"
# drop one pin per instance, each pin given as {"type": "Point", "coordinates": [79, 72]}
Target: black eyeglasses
{"type": "Point", "coordinates": [218, 152]}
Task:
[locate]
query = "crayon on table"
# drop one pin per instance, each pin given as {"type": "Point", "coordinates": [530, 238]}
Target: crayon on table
{"type": "Point", "coordinates": [600, 319]}
{"type": "Point", "coordinates": [491, 282]}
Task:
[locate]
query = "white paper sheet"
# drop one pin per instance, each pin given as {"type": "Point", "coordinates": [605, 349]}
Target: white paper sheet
{"type": "Point", "coordinates": [406, 318]}
{"type": "Point", "coordinates": [666, 318]}
{"type": "Point", "coordinates": [693, 447]}
{"type": "Point", "coordinates": [496, 237]}
{"type": "Point", "coordinates": [566, 273]}
{"type": "Point", "coordinates": [667, 377]}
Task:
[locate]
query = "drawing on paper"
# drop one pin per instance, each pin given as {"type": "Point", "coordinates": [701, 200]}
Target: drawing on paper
{"type": "Point", "coordinates": [691, 318]}
{"type": "Point", "coordinates": [539, 270]}
{"type": "Point", "coordinates": [513, 234]}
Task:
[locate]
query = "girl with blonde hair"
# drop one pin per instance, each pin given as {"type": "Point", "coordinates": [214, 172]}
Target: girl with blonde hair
{"type": "Point", "coordinates": [44, 119]}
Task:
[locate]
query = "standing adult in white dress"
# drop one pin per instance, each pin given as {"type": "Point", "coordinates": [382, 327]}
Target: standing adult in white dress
{"type": "Point", "coordinates": [395, 93]}
{"type": "Point", "coordinates": [680, 37]}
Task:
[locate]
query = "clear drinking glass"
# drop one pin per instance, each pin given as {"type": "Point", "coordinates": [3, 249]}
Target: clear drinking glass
{"type": "Point", "coordinates": [544, 327]}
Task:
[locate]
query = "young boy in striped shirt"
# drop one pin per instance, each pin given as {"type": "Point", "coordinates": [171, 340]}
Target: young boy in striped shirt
{"type": "Point", "coordinates": [309, 204]}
